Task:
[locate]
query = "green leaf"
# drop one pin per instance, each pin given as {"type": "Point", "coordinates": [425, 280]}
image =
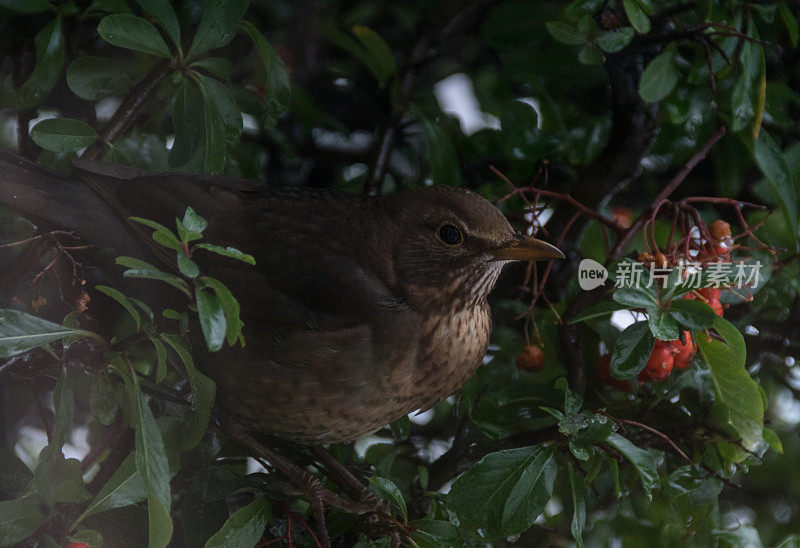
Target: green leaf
{"type": "Point", "coordinates": [159, 523]}
{"type": "Point", "coordinates": [790, 21]}
{"type": "Point", "coordinates": [505, 492]}
{"type": "Point", "coordinates": [131, 32]}
{"type": "Point", "coordinates": [634, 297]}
{"type": "Point", "coordinates": [19, 518]}
{"type": "Point", "coordinates": [442, 155]}
{"type": "Point", "coordinates": [276, 86]}
{"type": "Point", "coordinates": [63, 409]}
{"type": "Point", "coordinates": [27, 6]}
{"type": "Point", "coordinates": [162, 13]}
{"type": "Point", "coordinates": [644, 461]}
{"type": "Point", "coordinates": [187, 266]}
{"type": "Point", "coordinates": [737, 396]}
{"type": "Point", "coordinates": [591, 55]}
{"type": "Point", "coordinates": [636, 16]}
{"type": "Point", "coordinates": [193, 225]}
{"type": "Point", "coordinates": [231, 252]}
{"type": "Point", "coordinates": [124, 488]}
{"type": "Point", "coordinates": [150, 456]}
{"type": "Point", "coordinates": [103, 398]}
{"type": "Point", "coordinates": [63, 134]}
{"type": "Point", "coordinates": [230, 307]}
{"type": "Point", "coordinates": [377, 54]}
{"type": "Point", "coordinates": [20, 332]}
{"type": "Point", "coordinates": [123, 301]}
{"type": "Point", "coordinates": [213, 138]}
{"type": "Point", "coordinates": [142, 269]}
{"type": "Point", "coordinates": [743, 99]}
{"type": "Point", "coordinates": [212, 319]}
{"type": "Point", "coordinates": [576, 483]}
{"type": "Point", "coordinates": [389, 491]}
{"type": "Point", "coordinates": [614, 41]}
{"type": "Point", "coordinates": [203, 391]}
{"type": "Point", "coordinates": [50, 57]}
{"type": "Point", "coordinates": [772, 163]}
{"type": "Point", "coordinates": [218, 66]}
{"type": "Point", "coordinates": [217, 27]}
{"type": "Point", "coordinates": [659, 78]}
{"type": "Point", "coordinates": [662, 325]}
{"type": "Point", "coordinates": [161, 359]}
{"type": "Point", "coordinates": [772, 439]}
{"type": "Point", "coordinates": [631, 351]}
{"type": "Point", "coordinates": [231, 115]}
{"type": "Point", "coordinates": [93, 78]}
{"type": "Point", "coordinates": [162, 234]}
{"type": "Point", "coordinates": [244, 528]}
{"type": "Point", "coordinates": [566, 34]}
{"type": "Point", "coordinates": [692, 314]}
{"type": "Point", "coordinates": [188, 126]}
{"type": "Point", "coordinates": [58, 479]}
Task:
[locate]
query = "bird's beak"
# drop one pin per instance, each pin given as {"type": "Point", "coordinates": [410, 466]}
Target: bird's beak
{"type": "Point", "coordinates": [526, 248]}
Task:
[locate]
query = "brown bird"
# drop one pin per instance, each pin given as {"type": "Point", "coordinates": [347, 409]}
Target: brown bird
{"type": "Point", "coordinates": [358, 310]}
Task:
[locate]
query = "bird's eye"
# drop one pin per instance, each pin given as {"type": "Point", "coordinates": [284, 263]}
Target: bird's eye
{"type": "Point", "coordinates": [451, 235]}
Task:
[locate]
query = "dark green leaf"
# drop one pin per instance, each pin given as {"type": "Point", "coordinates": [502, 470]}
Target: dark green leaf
{"type": "Point", "coordinates": [122, 300]}
{"type": "Point", "coordinates": [212, 319]}
{"type": "Point", "coordinates": [636, 16]}
{"type": "Point", "coordinates": [161, 359]}
{"type": "Point", "coordinates": [203, 391]}
{"type": "Point", "coordinates": [591, 55]}
{"type": "Point", "coordinates": [772, 439]}
{"type": "Point", "coordinates": [577, 487]}
{"type": "Point", "coordinates": [790, 21]}
{"type": "Point", "coordinates": [659, 78]}
{"type": "Point", "coordinates": [737, 395]}
{"type": "Point", "coordinates": [93, 78]}
{"type": "Point", "coordinates": [645, 461]}
{"type": "Point", "coordinates": [187, 266]}
{"type": "Point", "coordinates": [19, 518]}
{"type": "Point", "coordinates": [63, 408]}
{"type": "Point", "coordinates": [50, 57]}
{"type": "Point", "coordinates": [504, 492]}
{"type": "Point", "coordinates": [692, 314]}
{"type": "Point", "coordinates": [63, 134]}
{"type": "Point", "coordinates": [104, 398]}
{"type": "Point", "coordinates": [634, 297]}
{"type": "Point", "coordinates": [743, 99]}
{"type": "Point", "coordinates": [20, 332]}
{"type": "Point", "coordinates": [159, 523]}
{"type": "Point", "coordinates": [276, 86]}
{"type": "Point", "coordinates": [231, 252]}
{"type": "Point", "coordinates": [217, 66]}
{"type": "Point", "coordinates": [773, 165]}
{"type": "Point", "coordinates": [389, 491]}
{"type": "Point", "coordinates": [217, 27]}
{"type": "Point", "coordinates": [613, 41]}
{"type": "Point", "coordinates": [162, 234]}
{"type": "Point", "coordinates": [219, 94]}
{"type": "Point", "coordinates": [142, 269]}
{"type": "Point", "coordinates": [188, 126]}
{"type": "Point", "coordinates": [124, 488]}
{"type": "Point", "coordinates": [377, 55]}
{"type": "Point", "coordinates": [244, 528]}
{"type": "Point", "coordinates": [162, 13]}
{"type": "Point", "coordinates": [632, 351]}
{"type": "Point", "coordinates": [442, 155]}
{"type": "Point", "coordinates": [230, 307]}
{"type": "Point", "coordinates": [566, 34]}
{"type": "Point", "coordinates": [58, 479]}
{"type": "Point", "coordinates": [662, 325]}
{"type": "Point", "coordinates": [131, 32]}
{"type": "Point", "coordinates": [213, 138]}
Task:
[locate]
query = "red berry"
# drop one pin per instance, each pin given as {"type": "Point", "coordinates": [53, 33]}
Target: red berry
{"type": "Point", "coordinates": [685, 352]}
{"type": "Point", "coordinates": [531, 359]}
{"type": "Point", "coordinates": [604, 372]}
{"type": "Point", "coordinates": [77, 545]}
{"type": "Point", "coordinates": [659, 365]}
{"type": "Point", "coordinates": [710, 293]}
{"type": "Point", "coordinates": [719, 229]}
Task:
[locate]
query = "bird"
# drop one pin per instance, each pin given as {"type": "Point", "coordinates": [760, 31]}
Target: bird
{"type": "Point", "coordinates": [358, 310]}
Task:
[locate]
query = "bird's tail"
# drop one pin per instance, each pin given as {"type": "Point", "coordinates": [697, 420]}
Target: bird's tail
{"type": "Point", "coordinates": [57, 202]}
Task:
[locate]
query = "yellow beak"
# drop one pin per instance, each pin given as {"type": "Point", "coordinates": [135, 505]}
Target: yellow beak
{"type": "Point", "coordinates": [526, 248]}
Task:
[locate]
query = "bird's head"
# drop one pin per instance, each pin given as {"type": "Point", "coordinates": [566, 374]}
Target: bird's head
{"type": "Point", "coordinates": [454, 245]}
